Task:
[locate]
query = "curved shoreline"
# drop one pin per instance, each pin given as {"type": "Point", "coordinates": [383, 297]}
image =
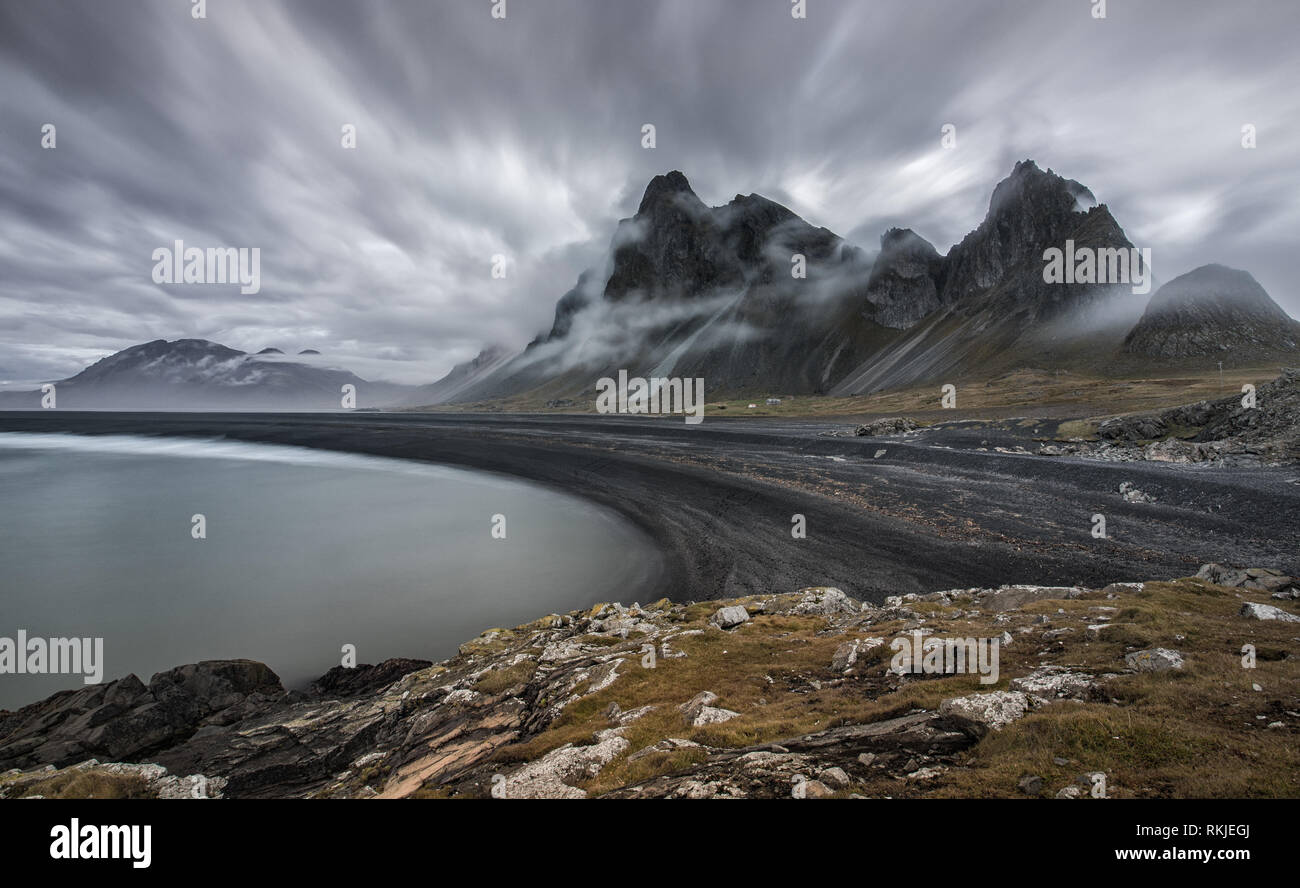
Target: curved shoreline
{"type": "Point", "coordinates": [97, 525]}
{"type": "Point", "coordinates": [718, 499]}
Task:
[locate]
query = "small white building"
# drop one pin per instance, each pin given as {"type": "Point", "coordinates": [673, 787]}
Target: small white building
{"type": "Point", "coordinates": [773, 402]}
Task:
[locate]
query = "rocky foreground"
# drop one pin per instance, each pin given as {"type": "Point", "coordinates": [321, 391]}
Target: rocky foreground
{"type": "Point", "coordinates": [1161, 689]}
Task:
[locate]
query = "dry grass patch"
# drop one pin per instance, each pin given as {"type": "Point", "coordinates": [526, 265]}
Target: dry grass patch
{"type": "Point", "coordinates": [87, 784]}
{"type": "Point", "coordinates": [1194, 732]}
{"type": "Point", "coordinates": [498, 681]}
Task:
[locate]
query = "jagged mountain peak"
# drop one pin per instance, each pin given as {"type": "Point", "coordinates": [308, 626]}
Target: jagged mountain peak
{"type": "Point", "coordinates": [1034, 191]}
{"type": "Point", "coordinates": [756, 214]}
{"type": "Point", "coordinates": [667, 188]}
{"type": "Point", "coordinates": [672, 248]}
{"type": "Point", "coordinates": [755, 298]}
{"type": "Point", "coordinates": [906, 279]}
{"type": "Point", "coordinates": [1001, 260]}
{"type": "Point", "coordinates": [757, 202]}
{"type": "Point", "coordinates": [906, 240]}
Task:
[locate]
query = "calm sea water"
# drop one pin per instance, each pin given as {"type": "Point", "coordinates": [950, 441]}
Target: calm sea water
{"type": "Point", "coordinates": [305, 551]}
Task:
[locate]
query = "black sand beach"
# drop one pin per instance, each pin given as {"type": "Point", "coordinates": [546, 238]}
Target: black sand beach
{"type": "Point", "coordinates": [883, 516]}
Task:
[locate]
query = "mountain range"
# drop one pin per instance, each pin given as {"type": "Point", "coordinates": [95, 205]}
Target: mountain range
{"type": "Point", "coordinates": [756, 301]}
{"type": "Point", "coordinates": [691, 290]}
{"type": "Point", "coordinates": [195, 374]}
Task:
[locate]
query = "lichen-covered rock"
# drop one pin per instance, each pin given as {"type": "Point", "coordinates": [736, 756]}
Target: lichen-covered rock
{"type": "Point", "coordinates": [441, 730]}
{"type": "Point", "coordinates": [1154, 660]}
{"type": "Point", "coordinates": [729, 617]}
{"type": "Point", "coordinates": [834, 777]}
{"type": "Point", "coordinates": [812, 789]}
{"type": "Point", "coordinates": [845, 656]}
{"type": "Point", "coordinates": [1267, 612]}
{"type": "Point", "coordinates": [1005, 598]}
{"type": "Point", "coordinates": [825, 600]}
{"type": "Point", "coordinates": [1221, 575]}
{"type": "Point", "coordinates": [553, 775]}
{"type": "Point", "coordinates": [712, 715]}
{"type": "Point", "coordinates": [668, 744]}
{"type": "Point", "coordinates": [995, 710]}
{"type": "Point", "coordinates": [1055, 683]}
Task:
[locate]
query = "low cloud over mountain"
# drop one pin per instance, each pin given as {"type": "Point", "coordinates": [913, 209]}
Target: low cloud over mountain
{"type": "Point", "coordinates": [754, 299]}
{"type": "Point", "coordinates": [194, 374]}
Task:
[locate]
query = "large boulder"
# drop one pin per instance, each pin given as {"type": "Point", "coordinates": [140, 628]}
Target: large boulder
{"type": "Point", "coordinates": [825, 600]}
{"type": "Point", "coordinates": [364, 679]}
{"type": "Point", "coordinates": [894, 425]}
{"type": "Point", "coordinates": [1221, 575]}
{"type": "Point", "coordinates": [699, 710]}
{"type": "Point", "coordinates": [729, 617]}
{"type": "Point", "coordinates": [125, 719]}
{"type": "Point", "coordinates": [1266, 612]}
{"type": "Point", "coordinates": [1053, 682]}
{"type": "Point", "coordinates": [1154, 660]}
{"type": "Point", "coordinates": [1007, 598]}
{"type": "Point", "coordinates": [995, 710]}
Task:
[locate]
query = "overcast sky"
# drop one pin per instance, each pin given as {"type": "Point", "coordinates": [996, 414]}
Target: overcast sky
{"type": "Point", "coordinates": [522, 137]}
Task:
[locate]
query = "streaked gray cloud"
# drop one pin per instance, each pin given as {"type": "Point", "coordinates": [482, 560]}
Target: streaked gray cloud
{"type": "Point", "coordinates": [521, 137]}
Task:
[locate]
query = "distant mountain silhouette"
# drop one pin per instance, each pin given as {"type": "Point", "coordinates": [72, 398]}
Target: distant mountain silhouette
{"type": "Point", "coordinates": [195, 374]}
{"type": "Point", "coordinates": [461, 377]}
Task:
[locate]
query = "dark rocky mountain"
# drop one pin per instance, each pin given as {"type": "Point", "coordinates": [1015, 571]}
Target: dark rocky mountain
{"type": "Point", "coordinates": [906, 280]}
{"type": "Point", "coordinates": [1214, 311]}
{"type": "Point", "coordinates": [693, 290]}
{"type": "Point", "coordinates": [992, 309]}
{"type": "Point", "coordinates": [1001, 261]}
{"type": "Point", "coordinates": [195, 374]}
{"type": "Point", "coordinates": [270, 351]}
